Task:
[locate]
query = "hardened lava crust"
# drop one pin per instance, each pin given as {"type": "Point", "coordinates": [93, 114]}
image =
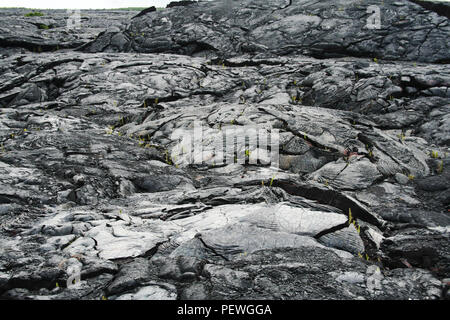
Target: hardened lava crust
{"type": "Point", "coordinates": [100, 198]}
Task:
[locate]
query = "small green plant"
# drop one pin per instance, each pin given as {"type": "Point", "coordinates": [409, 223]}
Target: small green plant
{"type": "Point", "coordinates": [375, 60]}
{"type": "Point", "coordinates": [43, 26]}
{"type": "Point", "coordinates": [271, 181]}
{"type": "Point", "coordinates": [247, 153]}
{"type": "Point", "coordinates": [174, 161]}
{"type": "Point", "coordinates": [168, 159]}
{"type": "Point", "coordinates": [364, 257]}
{"type": "Point", "coordinates": [110, 130]}
{"type": "Point", "coordinates": [434, 154]}
{"type": "Point", "coordinates": [34, 14]}
{"type": "Point", "coordinates": [411, 177]}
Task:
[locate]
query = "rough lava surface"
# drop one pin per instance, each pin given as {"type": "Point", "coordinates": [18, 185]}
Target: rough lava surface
{"type": "Point", "coordinates": [92, 177]}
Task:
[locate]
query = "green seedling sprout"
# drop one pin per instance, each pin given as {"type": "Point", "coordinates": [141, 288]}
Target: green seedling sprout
{"type": "Point", "coordinates": [271, 181]}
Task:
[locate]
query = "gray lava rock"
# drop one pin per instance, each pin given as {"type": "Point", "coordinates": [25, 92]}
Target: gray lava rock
{"type": "Point", "coordinates": [98, 182]}
{"type": "Point", "coordinates": [323, 29]}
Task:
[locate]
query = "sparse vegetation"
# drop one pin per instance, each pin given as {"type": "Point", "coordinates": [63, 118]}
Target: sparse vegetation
{"type": "Point", "coordinates": [34, 14]}
{"type": "Point", "coordinates": [168, 159]}
{"type": "Point", "coordinates": [271, 181]}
